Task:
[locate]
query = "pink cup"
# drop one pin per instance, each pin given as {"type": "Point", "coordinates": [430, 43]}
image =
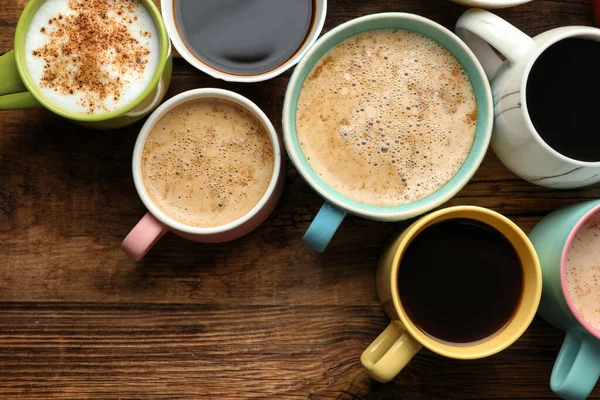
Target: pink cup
{"type": "Point", "coordinates": [156, 223]}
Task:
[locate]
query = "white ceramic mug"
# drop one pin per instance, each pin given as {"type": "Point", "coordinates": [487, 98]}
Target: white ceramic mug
{"type": "Point", "coordinates": [515, 140]}
{"type": "Point", "coordinates": [168, 12]}
{"type": "Point", "coordinates": [156, 223]}
{"type": "Point", "coordinates": [491, 3]}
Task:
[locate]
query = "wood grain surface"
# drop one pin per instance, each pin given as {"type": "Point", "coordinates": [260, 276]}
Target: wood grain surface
{"type": "Point", "coordinates": [262, 317]}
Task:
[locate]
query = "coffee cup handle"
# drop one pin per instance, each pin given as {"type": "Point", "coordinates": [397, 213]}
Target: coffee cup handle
{"type": "Point", "coordinates": [324, 226]}
{"type": "Point", "coordinates": [481, 30]}
{"type": "Point", "coordinates": [143, 237]}
{"type": "Point", "coordinates": [577, 367]}
{"type": "Point", "coordinates": [390, 352]}
{"type": "Point", "coordinates": [13, 93]}
{"type": "Point", "coordinates": [155, 102]}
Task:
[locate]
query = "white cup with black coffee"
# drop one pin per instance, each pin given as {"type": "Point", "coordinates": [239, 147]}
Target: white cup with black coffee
{"type": "Point", "coordinates": [545, 98]}
{"type": "Point", "coordinates": [491, 3]}
{"type": "Point", "coordinates": [243, 41]}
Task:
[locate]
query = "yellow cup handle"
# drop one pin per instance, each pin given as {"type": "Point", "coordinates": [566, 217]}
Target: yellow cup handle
{"type": "Point", "coordinates": [13, 93]}
{"type": "Point", "coordinates": [390, 352]}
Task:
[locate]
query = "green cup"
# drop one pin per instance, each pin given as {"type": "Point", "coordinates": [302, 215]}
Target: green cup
{"type": "Point", "coordinates": [577, 366]}
{"type": "Point", "coordinates": [18, 89]}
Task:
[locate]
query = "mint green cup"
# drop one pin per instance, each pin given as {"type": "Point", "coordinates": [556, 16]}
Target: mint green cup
{"type": "Point", "coordinates": [337, 206]}
{"type": "Point", "coordinates": [577, 366]}
{"type": "Point", "coordinates": [19, 91]}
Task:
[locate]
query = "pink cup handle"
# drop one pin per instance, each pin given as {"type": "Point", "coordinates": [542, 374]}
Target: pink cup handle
{"type": "Point", "coordinates": [141, 238]}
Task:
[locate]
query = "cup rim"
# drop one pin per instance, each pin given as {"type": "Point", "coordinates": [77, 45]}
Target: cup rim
{"type": "Point", "coordinates": [209, 93]}
{"type": "Point", "coordinates": [169, 20]}
{"type": "Point", "coordinates": [562, 34]}
{"type": "Point", "coordinates": [563, 271]}
{"type": "Point", "coordinates": [455, 351]}
{"type": "Point", "coordinates": [387, 213]}
{"type": "Point", "coordinates": [19, 48]}
{"type": "Point", "coordinates": [492, 3]}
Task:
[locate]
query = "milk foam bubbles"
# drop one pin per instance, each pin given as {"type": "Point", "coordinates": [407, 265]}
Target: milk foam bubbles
{"type": "Point", "coordinates": [387, 117]}
{"type": "Point", "coordinates": [92, 56]}
{"type": "Point", "coordinates": [583, 271]}
{"type": "Point", "coordinates": [207, 162]}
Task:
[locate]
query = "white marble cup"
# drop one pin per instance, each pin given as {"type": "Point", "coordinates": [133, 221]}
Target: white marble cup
{"type": "Point", "coordinates": [515, 140]}
{"type": "Point", "coordinates": [491, 3]}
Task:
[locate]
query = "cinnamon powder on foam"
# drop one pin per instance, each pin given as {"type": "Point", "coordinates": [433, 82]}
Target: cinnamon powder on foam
{"type": "Point", "coordinates": [84, 43]}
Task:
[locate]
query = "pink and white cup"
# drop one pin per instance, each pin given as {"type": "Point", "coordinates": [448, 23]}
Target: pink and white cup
{"type": "Point", "coordinates": [156, 223]}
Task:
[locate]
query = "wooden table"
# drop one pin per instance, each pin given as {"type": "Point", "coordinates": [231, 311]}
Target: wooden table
{"type": "Point", "coordinates": [263, 317]}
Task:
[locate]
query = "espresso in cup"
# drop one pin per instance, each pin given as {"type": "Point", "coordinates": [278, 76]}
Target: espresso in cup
{"type": "Point", "coordinates": [562, 92]}
{"type": "Point", "coordinates": [92, 56]}
{"type": "Point", "coordinates": [582, 269]}
{"type": "Point", "coordinates": [465, 282]}
{"type": "Point", "coordinates": [460, 281]}
{"type": "Point", "coordinates": [544, 114]}
{"type": "Point", "coordinates": [242, 37]}
{"type": "Point", "coordinates": [387, 117]}
{"type": "Point", "coordinates": [207, 162]}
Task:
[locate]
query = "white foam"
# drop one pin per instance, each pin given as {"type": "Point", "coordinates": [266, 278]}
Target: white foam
{"type": "Point", "coordinates": [583, 271]}
{"type": "Point", "coordinates": [133, 82]}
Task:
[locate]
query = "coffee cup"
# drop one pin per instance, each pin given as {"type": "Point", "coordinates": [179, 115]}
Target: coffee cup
{"type": "Point", "coordinates": [401, 289]}
{"type": "Point", "coordinates": [491, 3]}
{"type": "Point", "coordinates": [535, 140]}
{"type": "Point", "coordinates": [159, 219]}
{"type": "Point", "coordinates": [337, 205]}
{"type": "Point", "coordinates": [244, 41]}
{"type": "Point", "coordinates": [19, 89]}
{"type": "Point", "coordinates": [564, 241]}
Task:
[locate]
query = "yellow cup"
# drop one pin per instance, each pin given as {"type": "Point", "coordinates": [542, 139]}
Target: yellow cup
{"type": "Point", "coordinates": [402, 339]}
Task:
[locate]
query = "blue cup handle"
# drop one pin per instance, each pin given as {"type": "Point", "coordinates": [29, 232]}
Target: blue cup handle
{"type": "Point", "coordinates": [323, 227]}
{"type": "Point", "coordinates": [577, 367]}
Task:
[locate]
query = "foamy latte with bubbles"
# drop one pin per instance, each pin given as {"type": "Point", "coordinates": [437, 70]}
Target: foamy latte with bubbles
{"type": "Point", "coordinates": [207, 162]}
{"type": "Point", "coordinates": [582, 269]}
{"type": "Point", "coordinates": [92, 56]}
{"type": "Point", "coordinates": [387, 117]}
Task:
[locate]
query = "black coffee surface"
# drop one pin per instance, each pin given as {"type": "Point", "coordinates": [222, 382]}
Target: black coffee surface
{"type": "Point", "coordinates": [244, 37]}
{"type": "Point", "coordinates": [562, 98]}
{"type": "Point", "coordinates": [460, 281]}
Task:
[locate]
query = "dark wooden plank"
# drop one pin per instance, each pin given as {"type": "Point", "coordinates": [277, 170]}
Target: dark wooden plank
{"type": "Point", "coordinates": [281, 352]}
{"type": "Point", "coordinates": [263, 317]}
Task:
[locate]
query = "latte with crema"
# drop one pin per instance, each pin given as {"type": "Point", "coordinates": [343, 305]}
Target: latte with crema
{"type": "Point", "coordinates": [387, 117]}
{"type": "Point", "coordinates": [582, 270]}
{"type": "Point", "coordinates": [207, 162]}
